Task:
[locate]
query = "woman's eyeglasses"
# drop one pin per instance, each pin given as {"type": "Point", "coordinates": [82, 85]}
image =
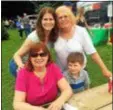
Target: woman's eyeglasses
{"type": "Point", "coordinates": [44, 54]}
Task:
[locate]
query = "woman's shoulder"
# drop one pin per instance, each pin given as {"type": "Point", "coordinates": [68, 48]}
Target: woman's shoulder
{"type": "Point", "coordinates": [32, 33]}
{"type": "Point", "coordinates": [79, 28]}
{"type": "Point", "coordinates": [23, 71]}
{"type": "Point", "coordinates": [53, 66]}
{"type": "Point", "coordinates": [33, 36]}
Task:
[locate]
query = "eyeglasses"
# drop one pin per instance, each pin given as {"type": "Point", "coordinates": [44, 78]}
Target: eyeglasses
{"type": "Point", "coordinates": [44, 54]}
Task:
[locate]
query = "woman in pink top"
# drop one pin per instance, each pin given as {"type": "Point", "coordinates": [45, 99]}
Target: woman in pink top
{"type": "Point", "coordinates": [38, 82]}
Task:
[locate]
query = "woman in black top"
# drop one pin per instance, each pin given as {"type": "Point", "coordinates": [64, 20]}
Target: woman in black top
{"type": "Point", "coordinates": [80, 19]}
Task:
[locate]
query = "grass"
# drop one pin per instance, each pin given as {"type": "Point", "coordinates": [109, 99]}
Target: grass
{"type": "Point", "coordinates": [10, 46]}
{"type": "Point", "coordinates": [8, 49]}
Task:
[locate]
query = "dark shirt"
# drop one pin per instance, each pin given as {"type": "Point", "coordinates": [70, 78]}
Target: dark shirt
{"type": "Point", "coordinates": [80, 23]}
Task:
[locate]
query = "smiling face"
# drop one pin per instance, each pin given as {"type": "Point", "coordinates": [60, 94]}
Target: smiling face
{"type": "Point", "coordinates": [65, 17]}
{"type": "Point", "coordinates": [48, 21]}
{"type": "Point", "coordinates": [39, 59]}
{"type": "Point", "coordinates": [74, 68]}
{"type": "Point", "coordinates": [64, 20]}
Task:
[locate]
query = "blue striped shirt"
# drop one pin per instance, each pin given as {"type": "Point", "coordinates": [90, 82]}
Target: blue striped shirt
{"type": "Point", "coordinates": [80, 83]}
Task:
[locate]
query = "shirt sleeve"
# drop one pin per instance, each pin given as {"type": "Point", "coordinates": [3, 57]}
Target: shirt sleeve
{"type": "Point", "coordinates": [58, 73]}
{"type": "Point", "coordinates": [87, 80]}
{"type": "Point", "coordinates": [33, 36]}
{"type": "Point", "coordinates": [21, 81]}
{"type": "Point", "coordinates": [87, 43]}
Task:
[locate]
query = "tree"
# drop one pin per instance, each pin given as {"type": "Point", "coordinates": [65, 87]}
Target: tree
{"type": "Point", "coordinates": [38, 5]}
{"type": "Point", "coordinates": [4, 33]}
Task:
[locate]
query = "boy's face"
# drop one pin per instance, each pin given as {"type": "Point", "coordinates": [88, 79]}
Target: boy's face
{"type": "Point", "coordinates": [74, 68]}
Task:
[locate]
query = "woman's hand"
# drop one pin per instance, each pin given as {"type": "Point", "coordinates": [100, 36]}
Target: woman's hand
{"type": "Point", "coordinates": [20, 67]}
{"type": "Point", "coordinates": [108, 74]}
{"type": "Point", "coordinates": [56, 105]}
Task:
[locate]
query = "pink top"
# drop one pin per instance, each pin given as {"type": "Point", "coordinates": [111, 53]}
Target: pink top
{"type": "Point", "coordinates": [36, 92]}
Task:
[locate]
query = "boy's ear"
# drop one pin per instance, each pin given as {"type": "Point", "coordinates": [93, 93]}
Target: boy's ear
{"type": "Point", "coordinates": [82, 65]}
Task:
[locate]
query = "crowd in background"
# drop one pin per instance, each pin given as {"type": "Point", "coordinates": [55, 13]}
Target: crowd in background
{"type": "Point", "coordinates": [22, 24]}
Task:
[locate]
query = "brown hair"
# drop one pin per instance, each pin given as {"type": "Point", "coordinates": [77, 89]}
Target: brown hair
{"type": "Point", "coordinates": [36, 48]}
{"type": "Point", "coordinates": [76, 57]}
{"type": "Point", "coordinates": [39, 28]}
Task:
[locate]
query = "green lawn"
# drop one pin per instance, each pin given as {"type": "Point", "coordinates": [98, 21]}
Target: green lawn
{"type": "Point", "coordinates": [11, 45]}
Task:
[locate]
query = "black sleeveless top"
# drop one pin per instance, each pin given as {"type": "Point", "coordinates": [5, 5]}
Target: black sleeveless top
{"type": "Point", "coordinates": [81, 23]}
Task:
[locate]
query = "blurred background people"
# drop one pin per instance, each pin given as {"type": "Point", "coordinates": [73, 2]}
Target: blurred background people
{"type": "Point", "coordinates": [20, 28]}
{"type": "Point", "coordinates": [6, 24]}
{"type": "Point", "coordinates": [26, 23]}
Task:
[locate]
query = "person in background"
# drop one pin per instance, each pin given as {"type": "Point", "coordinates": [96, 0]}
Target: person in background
{"type": "Point", "coordinates": [73, 38]}
{"type": "Point", "coordinates": [26, 22]}
{"type": "Point", "coordinates": [6, 24]}
{"type": "Point", "coordinates": [20, 28]}
{"type": "Point", "coordinates": [39, 81]}
{"type": "Point", "coordinates": [68, 4]}
{"type": "Point", "coordinates": [81, 21]}
{"type": "Point", "coordinates": [71, 6]}
{"type": "Point", "coordinates": [76, 76]}
{"type": "Point", "coordinates": [46, 31]}
{"type": "Point", "coordinates": [11, 22]}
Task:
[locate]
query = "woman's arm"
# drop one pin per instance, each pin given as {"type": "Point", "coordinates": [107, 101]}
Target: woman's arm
{"type": "Point", "coordinates": [66, 93]}
{"type": "Point", "coordinates": [21, 52]}
{"type": "Point", "coordinates": [96, 58]}
{"type": "Point", "coordinates": [20, 104]}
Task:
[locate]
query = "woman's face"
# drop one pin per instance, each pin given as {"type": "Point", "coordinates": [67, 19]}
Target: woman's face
{"type": "Point", "coordinates": [64, 21]}
{"type": "Point", "coordinates": [48, 21]}
{"type": "Point", "coordinates": [39, 59]}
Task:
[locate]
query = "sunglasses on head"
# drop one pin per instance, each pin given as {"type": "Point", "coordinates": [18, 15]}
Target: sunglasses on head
{"type": "Point", "coordinates": [39, 54]}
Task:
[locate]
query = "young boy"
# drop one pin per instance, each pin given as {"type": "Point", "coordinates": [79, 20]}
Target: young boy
{"type": "Point", "coordinates": [76, 75]}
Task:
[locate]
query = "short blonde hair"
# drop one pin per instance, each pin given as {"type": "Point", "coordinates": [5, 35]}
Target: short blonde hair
{"type": "Point", "coordinates": [68, 11]}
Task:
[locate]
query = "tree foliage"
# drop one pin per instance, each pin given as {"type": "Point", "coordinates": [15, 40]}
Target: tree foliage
{"type": "Point", "coordinates": [38, 5]}
{"type": "Point", "coordinates": [4, 33]}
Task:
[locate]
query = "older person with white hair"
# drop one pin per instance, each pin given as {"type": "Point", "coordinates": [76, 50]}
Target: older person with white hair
{"type": "Point", "coordinates": [73, 38]}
